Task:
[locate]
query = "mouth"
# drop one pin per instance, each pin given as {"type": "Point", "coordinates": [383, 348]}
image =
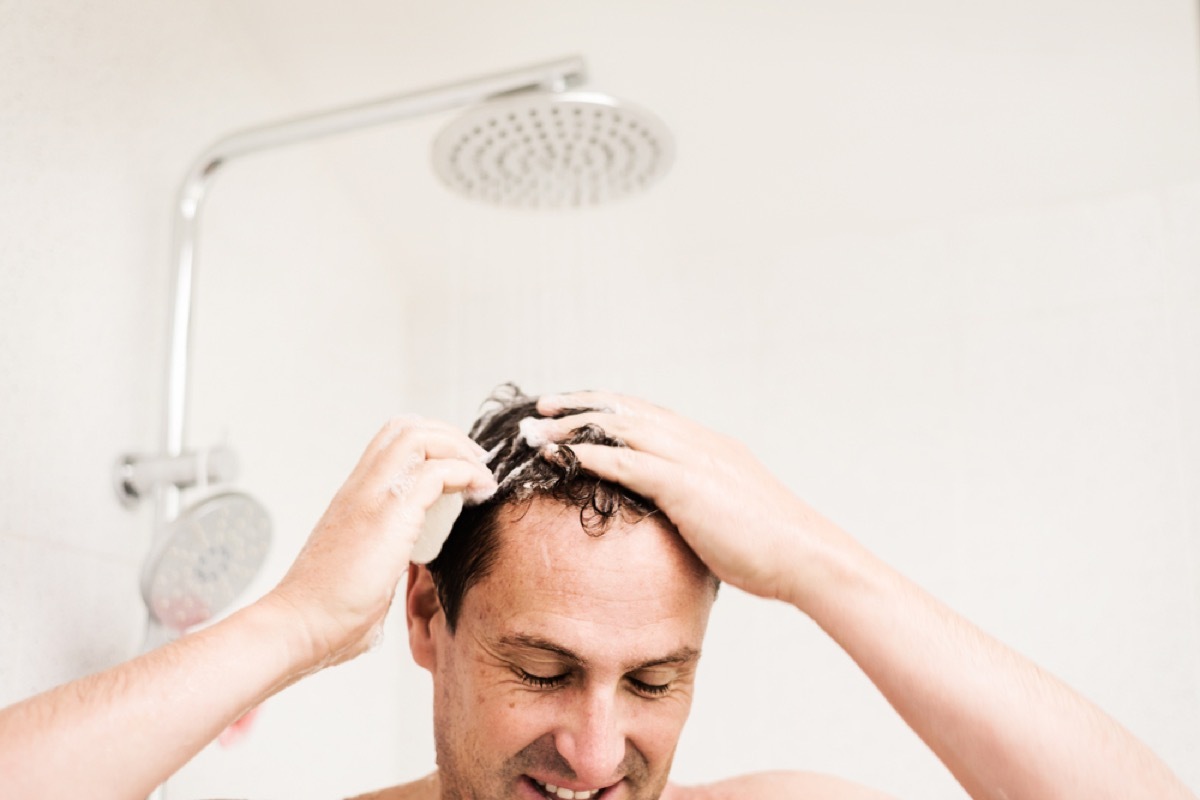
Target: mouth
{"type": "Point", "coordinates": [563, 793]}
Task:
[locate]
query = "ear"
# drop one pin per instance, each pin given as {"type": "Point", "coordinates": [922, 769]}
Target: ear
{"type": "Point", "coordinates": [422, 607]}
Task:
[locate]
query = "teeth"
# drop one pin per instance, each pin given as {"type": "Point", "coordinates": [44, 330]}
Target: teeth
{"type": "Point", "coordinates": [565, 794]}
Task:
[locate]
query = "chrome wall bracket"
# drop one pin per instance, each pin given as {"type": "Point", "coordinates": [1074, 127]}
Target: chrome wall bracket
{"type": "Point", "coordinates": [136, 477]}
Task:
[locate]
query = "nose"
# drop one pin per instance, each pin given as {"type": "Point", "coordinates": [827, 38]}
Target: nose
{"type": "Point", "coordinates": [592, 740]}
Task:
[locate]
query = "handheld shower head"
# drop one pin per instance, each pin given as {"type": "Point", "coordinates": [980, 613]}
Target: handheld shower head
{"type": "Point", "coordinates": [204, 558]}
{"type": "Point", "coordinates": [544, 149]}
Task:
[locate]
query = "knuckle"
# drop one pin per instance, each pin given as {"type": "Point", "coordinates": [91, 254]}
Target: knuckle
{"type": "Point", "coordinates": [408, 437]}
{"type": "Point", "coordinates": [398, 424]}
{"type": "Point", "coordinates": [624, 461]}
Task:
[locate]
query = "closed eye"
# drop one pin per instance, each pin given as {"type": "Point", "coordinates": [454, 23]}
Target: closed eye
{"type": "Point", "coordinates": [542, 682]}
{"type": "Point", "coordinates": [650, 689]}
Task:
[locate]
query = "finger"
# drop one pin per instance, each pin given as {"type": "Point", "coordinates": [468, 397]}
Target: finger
{"type": "Point", "coordinates": [386, 438]}
{"type": "Point", "coordinates": [398, 425]}
{"type": "Point", "coordinates": [600, 401]}
{"type": "Point", "coordinates": [638, 433]}
{"type": "Point", "coordinates": [426, 442]}
{"type": "Point", "coordinates": [405, 510]}
{"type": "Point", "coordinates": [645, 473]}
{"type": "Point", "coordinates": [394, 466]}
{"type": "Point", "coordinates": [434, 478]}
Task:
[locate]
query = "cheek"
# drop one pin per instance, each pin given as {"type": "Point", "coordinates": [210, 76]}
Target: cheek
{"type": "Point", "coordinates": [655, 728]}
{"type": "Point", "coordinates": [503, 716]}
{"type": "Point", "coordinates": [523, 717]}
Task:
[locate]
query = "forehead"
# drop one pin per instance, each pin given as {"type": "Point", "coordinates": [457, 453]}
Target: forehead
{"type": "Point", "coordinates": [635, 590]}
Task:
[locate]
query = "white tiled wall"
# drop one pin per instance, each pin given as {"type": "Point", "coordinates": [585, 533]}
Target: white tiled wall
{"type": "Point", "coordinates": [940, 268]}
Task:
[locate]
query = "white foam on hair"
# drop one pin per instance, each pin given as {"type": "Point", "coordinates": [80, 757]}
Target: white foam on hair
{"type": "Point", "coordinates": [473, 497]}
{"type": "Point", "coordinates": [533, 432]}
{"type": "Point", "coordinates": [511, 477]}
{"type": "Point", "coordinates": [495, 451]}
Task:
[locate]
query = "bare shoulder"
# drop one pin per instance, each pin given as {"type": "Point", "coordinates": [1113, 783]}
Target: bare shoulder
{"type": "Point", "coordinates": [799, 785]}
{"type": "Point", "coordinates": [424, 789]}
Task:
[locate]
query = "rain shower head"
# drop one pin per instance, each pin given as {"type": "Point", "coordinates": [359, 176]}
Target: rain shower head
{"type": "Point", "coordinates": [547, 149]}
{"type": "Point", "coordinates": [204, 558]}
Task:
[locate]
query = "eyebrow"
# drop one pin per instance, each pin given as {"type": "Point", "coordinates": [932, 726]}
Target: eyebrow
{"type": "Point", "coordinates": [683, 655]}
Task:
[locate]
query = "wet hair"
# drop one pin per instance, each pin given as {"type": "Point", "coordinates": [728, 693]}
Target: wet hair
{"type": "Point", "coordinates": [525, 473]}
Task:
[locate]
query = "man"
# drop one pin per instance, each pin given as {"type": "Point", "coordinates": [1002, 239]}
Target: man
{"type": "Point", "coordinates": [562, 624]}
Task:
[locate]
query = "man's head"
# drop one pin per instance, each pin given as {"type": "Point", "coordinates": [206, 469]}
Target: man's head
{"type": "Point", "coordinates": [562, 623]}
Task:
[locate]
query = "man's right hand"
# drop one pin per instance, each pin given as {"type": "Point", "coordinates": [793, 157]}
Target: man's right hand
{"type": "Point", "coordinates": [1003, 727]}
{"type": "Point", "coordinates": [749, 528]}
{"type": "Point", "coordinates": [341, 585]}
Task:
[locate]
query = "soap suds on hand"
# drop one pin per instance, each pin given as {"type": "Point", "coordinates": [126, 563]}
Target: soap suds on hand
{"type": "Point", "coordinates": [405, 479]}
{"type": "Point", "coordinates": [473, 497]}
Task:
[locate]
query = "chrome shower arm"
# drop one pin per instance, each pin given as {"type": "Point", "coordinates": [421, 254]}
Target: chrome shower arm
{"type": "Point", "coordinates": [558, 75]}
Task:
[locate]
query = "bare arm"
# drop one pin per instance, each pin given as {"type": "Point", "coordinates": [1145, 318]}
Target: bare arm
{"type": "Point", "coordinates": [1003, 726]}
{"type": "Point", "coordinates": [1006, 729]}
{"type": "Point", "coordinates": [119, 733]}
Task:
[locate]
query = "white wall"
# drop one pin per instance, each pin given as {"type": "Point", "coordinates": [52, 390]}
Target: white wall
{"type": "Point", "coordinates": [1002, 406]}
{"type": "Point", "coordinates": [299, 346]}
{"type": "Point", "coordinates": [939, 268]}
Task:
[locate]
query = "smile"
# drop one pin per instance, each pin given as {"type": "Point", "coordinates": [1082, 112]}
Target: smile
{"type": "Point", "coordinates": [566, 794]}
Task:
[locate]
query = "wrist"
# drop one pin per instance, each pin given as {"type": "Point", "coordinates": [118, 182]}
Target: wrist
{"type": "Point", "coordinates": [831, 567]}
{"type": "Point", "coordinates": [289, 626]}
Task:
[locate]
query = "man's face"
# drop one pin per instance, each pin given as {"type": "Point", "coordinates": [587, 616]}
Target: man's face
{"type": "Point", "coordinates": [571, 669]}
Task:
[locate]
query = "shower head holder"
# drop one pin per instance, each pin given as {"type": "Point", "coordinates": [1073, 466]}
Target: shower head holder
{"type": "Point", "coordinates": [136, 477]}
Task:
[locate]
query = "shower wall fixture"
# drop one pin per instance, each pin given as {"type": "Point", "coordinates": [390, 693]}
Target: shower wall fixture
{"type": "Point", "coordinates": [537, 141]}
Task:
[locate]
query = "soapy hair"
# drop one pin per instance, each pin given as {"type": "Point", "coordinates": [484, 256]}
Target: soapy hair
{"type": "Point", "coordinates": [525, 470]}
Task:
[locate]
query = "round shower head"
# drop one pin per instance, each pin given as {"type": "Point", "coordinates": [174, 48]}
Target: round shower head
{"type": "Point", "coordinates": [205, 558]}
{"type": "Point", "coordinates": [552, 149]}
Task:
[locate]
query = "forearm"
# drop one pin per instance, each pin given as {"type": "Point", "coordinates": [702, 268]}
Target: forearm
{"type": "Point", "coordinates": [1004, 727]}
{"type": "Point", "coordinates": [119, 733]}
